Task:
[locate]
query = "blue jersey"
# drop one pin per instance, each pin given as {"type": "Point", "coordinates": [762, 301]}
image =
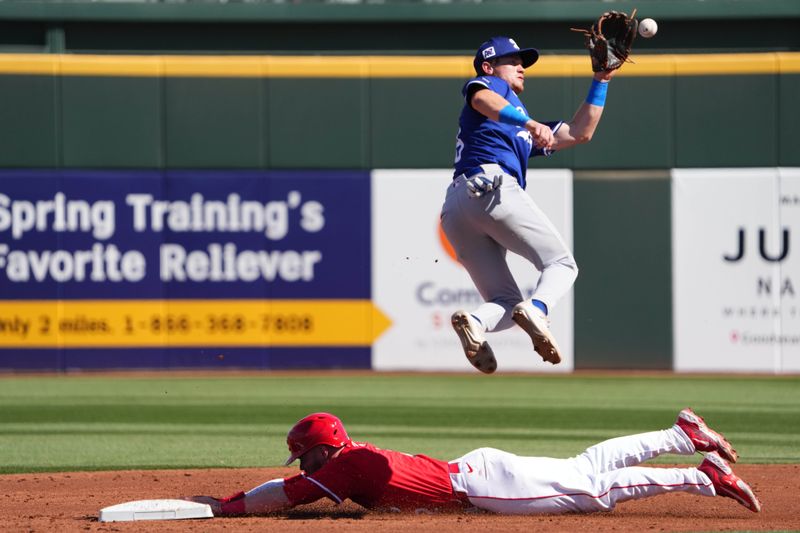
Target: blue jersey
{"type": "Point", "coordinates": [482, 140]}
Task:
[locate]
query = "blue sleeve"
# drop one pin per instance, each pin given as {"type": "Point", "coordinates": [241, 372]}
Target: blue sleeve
{"type": "Point", "coordinates": [490, 82]}
{"type": "Point", "coordinates": [554, 125]}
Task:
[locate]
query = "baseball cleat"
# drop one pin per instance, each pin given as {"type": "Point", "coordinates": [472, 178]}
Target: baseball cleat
{"type": "Point", "coordinates": [536, 325]}
{"type": "Point", "coordinates": [703, 437]}
{"type": "Point", "coordinates": [477, 350]}
{"type": "Point", "coordinates": [728, 484]}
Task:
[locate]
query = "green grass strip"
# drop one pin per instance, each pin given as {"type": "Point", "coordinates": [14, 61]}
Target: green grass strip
{"type": "Point", "coordinates": [67, 423]}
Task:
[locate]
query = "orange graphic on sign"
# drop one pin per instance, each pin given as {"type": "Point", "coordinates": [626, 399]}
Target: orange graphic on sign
{"type": "Point", "coordinates": [446, 244]}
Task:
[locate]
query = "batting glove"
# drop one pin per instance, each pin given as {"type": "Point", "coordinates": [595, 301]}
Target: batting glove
{"type": "Point", "coordinates": [480, 184]}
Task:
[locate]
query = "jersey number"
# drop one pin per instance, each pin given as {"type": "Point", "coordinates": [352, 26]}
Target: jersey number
{"type": "Point", "coordinates": [525, 134]}
{"type": "Point", "coordinates": [459, 146]}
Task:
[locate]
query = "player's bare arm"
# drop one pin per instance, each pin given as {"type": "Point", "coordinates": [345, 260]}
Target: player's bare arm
{"type": "Point", "coordinates": [581, 128]}
{"type": "Point", "coordinates": [489, 104]}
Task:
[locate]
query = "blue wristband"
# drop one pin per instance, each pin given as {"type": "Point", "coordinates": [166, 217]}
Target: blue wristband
{"type": "Point", "coordinates": [597, 93]}
{"type": "Point", "coordinates": [511, 115]}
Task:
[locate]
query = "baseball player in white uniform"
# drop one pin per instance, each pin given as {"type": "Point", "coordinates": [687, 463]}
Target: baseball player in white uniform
{"type": "Point", "coordinates": [335, 467]}
{"type": "Point", "coordinates": [487, 212]}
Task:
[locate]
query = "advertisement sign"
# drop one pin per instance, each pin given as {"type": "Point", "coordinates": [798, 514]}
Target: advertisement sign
{"type": "Point", "coordinates": [138, 260]}
{"type": "Point", "coordinates": [418, 282]}
{"type": "Point", "coordinates": [736, 269]}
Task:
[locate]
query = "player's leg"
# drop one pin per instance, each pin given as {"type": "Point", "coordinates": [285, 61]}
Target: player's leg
{"type": "Point", "coordinates": [505, 483]}
{"type": "Point", "coordinates": [714, 477]}
{"type": "Point", "coordinates": [688, 435]}
{"type": "Point", "coordinates": [631, 450]}
{"type": "Point", "coordinates": [501, 482]}
{"type": "Point", "coordinates": [521, 226]}
{"type": "Point", "coordinates": [464, 221]}
{"type": "Point", "coordinates": [485, 261]}
{"type": "Point", "coordinates": [636, 482]}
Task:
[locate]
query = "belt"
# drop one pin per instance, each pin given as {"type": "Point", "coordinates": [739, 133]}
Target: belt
{"type": "Point", "coordinates": [468, 173]}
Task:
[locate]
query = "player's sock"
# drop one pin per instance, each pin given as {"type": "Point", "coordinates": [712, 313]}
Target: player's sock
{"type": "Point", "coordinates": [541, 305]}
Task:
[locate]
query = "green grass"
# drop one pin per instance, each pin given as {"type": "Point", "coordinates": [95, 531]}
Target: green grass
{"type": "Point", "coordinates": [69, 423]}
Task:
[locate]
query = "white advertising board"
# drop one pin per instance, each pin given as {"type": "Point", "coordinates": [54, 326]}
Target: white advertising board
{"type": "Point", "coordinates": [736, 269]}
{"type": "Point", "coordinates": [418, 284]}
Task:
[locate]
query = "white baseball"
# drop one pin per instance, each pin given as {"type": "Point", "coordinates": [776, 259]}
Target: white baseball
{"type": "Point", "coordinates": [648, 28]}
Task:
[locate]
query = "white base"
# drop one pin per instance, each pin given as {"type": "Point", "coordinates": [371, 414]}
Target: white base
{"type": "Point", "coordinates": [155, 510]}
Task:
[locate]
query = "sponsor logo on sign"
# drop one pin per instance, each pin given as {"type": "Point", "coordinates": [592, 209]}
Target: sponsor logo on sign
{"type": "Point", "coordinates": [749, 317]}
{"type": "Point", "coordinates": [769, 247]}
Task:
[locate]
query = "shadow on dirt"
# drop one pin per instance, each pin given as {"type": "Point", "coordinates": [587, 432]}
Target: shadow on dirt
{"type": "Point", "coordinates": [309, 514]}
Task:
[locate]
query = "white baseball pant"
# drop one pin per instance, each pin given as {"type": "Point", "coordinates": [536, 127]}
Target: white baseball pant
{"type": "Point", "coordinates": [481, 230]}
{"type": "Point", "coordinates": [595, 480]}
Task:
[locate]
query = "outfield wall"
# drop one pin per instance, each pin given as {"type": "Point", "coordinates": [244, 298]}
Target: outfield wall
{"type": "Point", "coordinates": [349, 269]}
{"type": "Point", "coordinates": [110, 121]}
{"type": "Point", "coordinates": [736, 269]}
{"type": "Point", "coordinates": [264, 112]}
{"type": "Point", "coordinates": [185, 268]}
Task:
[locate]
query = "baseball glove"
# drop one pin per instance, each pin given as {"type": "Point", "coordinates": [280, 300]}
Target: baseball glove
{"type": "Point", "coordinates": [609, 40]}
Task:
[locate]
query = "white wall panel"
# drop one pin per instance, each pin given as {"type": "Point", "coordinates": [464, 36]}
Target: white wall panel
{"type": "Point", "coordinates": [736, 269]}
{"type": "Point", "coordinates": [418, 285]}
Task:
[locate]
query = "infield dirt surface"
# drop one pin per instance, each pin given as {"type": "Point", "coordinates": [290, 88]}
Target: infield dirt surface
{"type": "Point", "coordinates": [65, 502]}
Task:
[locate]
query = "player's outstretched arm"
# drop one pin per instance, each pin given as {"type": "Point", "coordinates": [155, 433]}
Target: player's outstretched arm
{"type": "Point", "coordinates": [265, 498]}
{"type": "Point", "coordinates": [581, 128]}
{"type": "Point", "coordinates": [492, 105]}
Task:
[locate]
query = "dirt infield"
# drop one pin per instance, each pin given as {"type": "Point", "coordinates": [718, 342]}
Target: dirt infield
{"type": "Point", "coordinates": [66, 502]}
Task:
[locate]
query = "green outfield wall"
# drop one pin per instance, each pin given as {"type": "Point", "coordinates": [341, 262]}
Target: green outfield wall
{"type": "Point", "coordinates": [663, 112]}
{"type": "Point", "coordinates": [80, 111]}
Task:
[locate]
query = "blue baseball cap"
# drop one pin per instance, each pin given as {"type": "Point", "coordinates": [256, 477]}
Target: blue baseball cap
{"type": "Point", "coordinates": [501, 47]}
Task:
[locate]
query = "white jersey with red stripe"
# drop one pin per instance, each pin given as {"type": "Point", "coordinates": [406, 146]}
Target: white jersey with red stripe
{"type": "Point", "coordinates": [595, 480]}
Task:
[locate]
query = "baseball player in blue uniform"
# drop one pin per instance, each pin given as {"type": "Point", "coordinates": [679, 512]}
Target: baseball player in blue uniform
{"type": "Point", "coordinates": [487, 212]}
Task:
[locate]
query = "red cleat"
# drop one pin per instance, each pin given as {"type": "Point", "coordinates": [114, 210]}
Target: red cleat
{"type": "Point", "coordinates": [703, 437]}
{"type": "Point", "coordinates": [727, 483]}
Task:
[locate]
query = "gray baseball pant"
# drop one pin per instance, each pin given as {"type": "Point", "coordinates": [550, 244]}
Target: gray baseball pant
{"type": "Point", "coordinates": [481, 230]}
